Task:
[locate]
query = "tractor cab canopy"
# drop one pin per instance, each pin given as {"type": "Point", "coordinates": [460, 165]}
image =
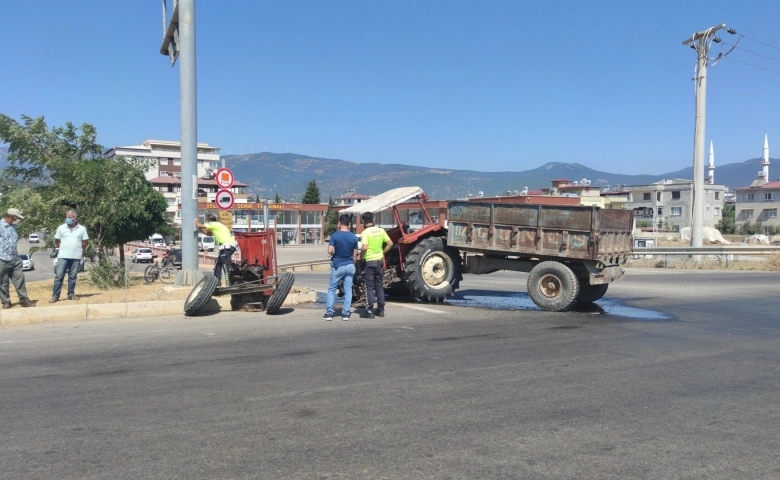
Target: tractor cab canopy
{"type": "Point", "coordinates": [386, 200]}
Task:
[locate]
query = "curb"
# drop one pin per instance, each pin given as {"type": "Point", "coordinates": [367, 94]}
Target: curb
{"type": "Point", "coordinates": [64, 313]}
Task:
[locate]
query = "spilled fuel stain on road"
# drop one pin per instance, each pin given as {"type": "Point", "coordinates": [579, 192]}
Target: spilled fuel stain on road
{"type": "Point", "coordinates": [521, 301]}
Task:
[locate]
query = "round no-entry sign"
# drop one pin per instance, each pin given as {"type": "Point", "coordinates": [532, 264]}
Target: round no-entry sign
{"type": "Point", "coordinates": [225, 199]}
{"type": "Point", "coordinates": [224, 178]}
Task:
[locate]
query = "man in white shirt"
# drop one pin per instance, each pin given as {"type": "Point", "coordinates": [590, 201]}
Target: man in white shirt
{"type": "Point", "coordinates": [71, 238]}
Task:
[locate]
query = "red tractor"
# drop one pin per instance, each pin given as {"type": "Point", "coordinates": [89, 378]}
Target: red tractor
{"type": "Point", "coordinates": [253, 284]}
{"type": "Point", "coordinates": [420, 263]}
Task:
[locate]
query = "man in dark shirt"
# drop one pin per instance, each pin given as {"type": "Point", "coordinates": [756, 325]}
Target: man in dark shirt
{"type": "Point", "coordinates": [343, 249]}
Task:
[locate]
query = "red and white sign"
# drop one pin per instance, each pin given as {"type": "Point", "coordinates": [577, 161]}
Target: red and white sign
{"type": "Point", "coordinates": [224, 178]}
{"type": "Point", "coordinates": [225, 199]}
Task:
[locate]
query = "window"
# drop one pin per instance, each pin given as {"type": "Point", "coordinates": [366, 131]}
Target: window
{"type": "Point", "coordinates": [771, 213]}
{"type": "Point", "coordinates": [171, 202]}
{"type": "Point", "coordinates": [660, 212]}
{"type": "Point", "coordinates": [676, 195]}
{"type": "Point", "coordinates": [747, 213]}
{"type": "Point", "coordinates": [748, 197]}
{"type": "Point", "coordinates": [176, 174]}
{"type": "Point", "coordinates": [676, 211]}
{"type": "Point", "coordinates": [310, 217]}
{"type": "Point", "coordinates": [658, 196]}
{"type": "Point", "coordinates": [163, 161]}
{"type": "Point", "coordinates": [717, 195]}
{"type": "Point", "coordinates": [717, 211]}
{"type": "Point", "coordinates": [177, 162]}
{"type": "Point", "coordinates": [769, 196]}
{"type": "Point", "coordinates": [646, 196]}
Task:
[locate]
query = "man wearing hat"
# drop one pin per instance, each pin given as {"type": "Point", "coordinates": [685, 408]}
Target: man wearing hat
{"type": "Point", "coordinates": [10, 263]}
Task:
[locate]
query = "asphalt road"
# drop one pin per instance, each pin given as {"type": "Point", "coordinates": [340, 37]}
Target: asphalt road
{"type": "Point", "coordinates": [676, 375]}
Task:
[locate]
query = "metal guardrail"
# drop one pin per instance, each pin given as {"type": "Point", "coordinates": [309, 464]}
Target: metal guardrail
{"type": "Point", "coordinates": [717, 250]}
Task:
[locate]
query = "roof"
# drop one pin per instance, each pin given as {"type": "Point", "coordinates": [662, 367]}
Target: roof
{"type": "Point", "coordinates": [353, 195]}
{"type": "Point", "coordinates": [385, 200]}
{"type": "Point", "coordinates": [201, 181]}
{"type": "Point", "coordinates": [775, 184]}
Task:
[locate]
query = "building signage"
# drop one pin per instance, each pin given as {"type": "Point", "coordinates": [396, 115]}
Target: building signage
{"type": "Point", "coordinates": [225, 199]}
{"type": "Point", "coordinates": [224, 178]}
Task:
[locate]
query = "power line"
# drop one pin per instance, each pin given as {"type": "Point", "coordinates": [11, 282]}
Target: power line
{"type": "Point", "coordinates": [754, 53]}
{"type": "Point", "coordinates": [759, 41]}
{"type": "Point", "coordinates": [751, 65]}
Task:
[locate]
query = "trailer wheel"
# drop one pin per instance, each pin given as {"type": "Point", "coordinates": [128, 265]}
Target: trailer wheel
{"type": "Point", "coordinates": [432, 273]}
{"type": "Point", "coordinates": [553, 286]}
{"type": "Point", "coordinates": [282, 290]}
{"type": "Point", "coordinates": [590, 293]}
{"type": "Point", "coordinates": [200, 294]}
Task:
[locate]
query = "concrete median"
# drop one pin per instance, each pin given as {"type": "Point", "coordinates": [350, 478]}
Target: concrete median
{"type": "Point", "coordinates": [64, 313]}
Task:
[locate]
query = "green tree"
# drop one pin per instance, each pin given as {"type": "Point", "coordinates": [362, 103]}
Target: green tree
{"type": "Point", "coordinates": [312, 194]}
{"type": "Point", "coordinates": [277, 199]}
{"type": "Point", "coordinates": [727, 224]}
{"type": "Point", "coordinates": [331, 218]}
{"type": "Point", "coordinates": [114, 200]}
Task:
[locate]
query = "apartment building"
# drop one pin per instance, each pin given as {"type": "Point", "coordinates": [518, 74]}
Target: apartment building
{"type": "Point", "coordinates": [165, 156]}
{"type": "Point", "coordinates": [668, 203]}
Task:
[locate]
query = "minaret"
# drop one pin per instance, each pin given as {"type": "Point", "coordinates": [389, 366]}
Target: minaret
{"type": "Point", "coordinates": [765, 159]}
{"type": "Point", "coordinates": [711, 166]}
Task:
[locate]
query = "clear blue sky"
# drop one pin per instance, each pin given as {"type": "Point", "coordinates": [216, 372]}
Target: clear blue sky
{"type": "Point", "coordinates": [483, 85]}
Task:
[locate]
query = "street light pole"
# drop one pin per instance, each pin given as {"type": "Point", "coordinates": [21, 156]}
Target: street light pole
{"type": "Point", "coordinates": [179, 42]}
{"type": "Point", "coordinates": [700, 42]}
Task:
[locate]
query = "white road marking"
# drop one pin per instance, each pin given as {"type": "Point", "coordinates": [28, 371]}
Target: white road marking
{"type": "Point", "coordinates": [423, 309]}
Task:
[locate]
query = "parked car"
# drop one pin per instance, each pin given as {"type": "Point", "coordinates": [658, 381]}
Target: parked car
{"type": "Point", "coordinates": [27, 262]}
{"type": "Point", "coordinates": [142, 255]}
{"type": "Point", "coordinates": [34, 238]}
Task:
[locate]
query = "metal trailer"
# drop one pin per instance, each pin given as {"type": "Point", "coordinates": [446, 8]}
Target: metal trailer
{"type": "Point", "coordinates": [572, 253]}
{"type": "Point", "coordinates": [253, 284]}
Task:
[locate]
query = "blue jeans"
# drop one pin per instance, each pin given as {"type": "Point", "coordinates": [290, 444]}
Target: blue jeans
{"type": "Point", "coordinates": [70, 265]}
{"type": "Point", "coordinates": [346, 273]}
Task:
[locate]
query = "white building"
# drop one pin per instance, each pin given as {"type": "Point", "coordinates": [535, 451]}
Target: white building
{"type": "Point", "coordinates": [166, 157]}
{"type": "Point", "coordinates": [164, 172]}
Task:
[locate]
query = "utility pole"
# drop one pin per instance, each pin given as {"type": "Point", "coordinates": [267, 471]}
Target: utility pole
{"type": "Point", "coordinates": [700, 42]}
{"type": "Point", "coordinates": [179, 41]}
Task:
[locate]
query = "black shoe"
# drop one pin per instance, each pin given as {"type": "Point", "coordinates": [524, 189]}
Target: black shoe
{"type": "Point", "coordinates": [367, 314]}
{"type": "Point", "coordinates": [328, 317]}
{"type": "Point", "coordinates": [379, 312]}
{"type": "Point", "coordinates": [345, 316]}
{"type": "Point", "coordinates": [26, 303]}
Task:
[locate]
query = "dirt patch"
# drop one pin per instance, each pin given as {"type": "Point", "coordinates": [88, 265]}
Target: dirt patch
{"type": "Point", "coordinates": [137, 291]}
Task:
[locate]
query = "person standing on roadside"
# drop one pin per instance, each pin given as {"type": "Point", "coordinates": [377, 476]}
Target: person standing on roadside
{"type": "Point", "coordinates": [71, 239]}
{"type": "Point", "coordinates": [10, 263]}
{"type": "Point", "coordinates": [226, 244]}
{"type": "Point", "coordinates": [375, 243]}
{"type": "Point", "coordinates": [343, 249]}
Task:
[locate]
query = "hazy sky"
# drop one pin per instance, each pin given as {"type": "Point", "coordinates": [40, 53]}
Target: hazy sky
{"type": "Point", "coordinates": [483, 85]}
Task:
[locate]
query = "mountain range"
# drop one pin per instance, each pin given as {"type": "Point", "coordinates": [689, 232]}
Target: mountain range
{"type": "Point", "coordinates": [288, 175]}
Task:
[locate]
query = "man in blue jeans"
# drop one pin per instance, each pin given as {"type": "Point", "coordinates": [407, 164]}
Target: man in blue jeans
{"type": "Point", "coordinates": [343, 249]}
{"type": "Point", "coordinates": [71, 238]}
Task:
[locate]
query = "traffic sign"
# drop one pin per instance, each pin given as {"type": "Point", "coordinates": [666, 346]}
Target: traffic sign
{"type": "Point", "coordinates": [225, 199]}
{"type": "Point", "coordinates": [226, 219]}
{"type": "Point", "coordinates": [224, 178]}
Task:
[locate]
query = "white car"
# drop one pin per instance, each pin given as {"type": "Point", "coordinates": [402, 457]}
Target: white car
{"type": "Point", "coordinates": [142, 255]}
{"type": "Point", "coordinates": [27, 262]}
{"type": "Point", "coordinates": [34, 238]}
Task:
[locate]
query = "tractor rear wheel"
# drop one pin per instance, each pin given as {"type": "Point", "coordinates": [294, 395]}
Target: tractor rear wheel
{"type": "Point", "coordinates": [200, 294]}
{"type": "Point", "coordinates": [432, 271]}
{"type": "Point", "coordinates": [282, 290]}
